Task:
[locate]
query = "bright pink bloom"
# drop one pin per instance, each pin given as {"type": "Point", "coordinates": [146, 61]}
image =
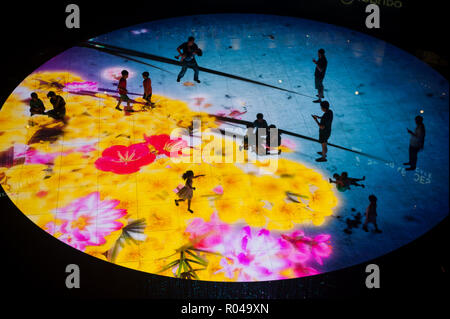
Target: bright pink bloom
{"type": "Point", "coordinates": [33, 156]}
{"type": "Point", "coordinates": [207, 235]}
{"type": "Point", "coordinates": [289, 144]}
{"type": "Point", "coordinates": [252, 254]}
{"type": "Point", "coordinates": [81, 86]}
{"type": "Point", "coordinates": [122, 159]}
{"type": "Point", "coordinates": [320, 248]}
{"type": "Point", "coordinates": [218, 190]}
{"type": "Point", "coordinates": [87, 221]}
{"type": "Point", "coordinates": [164, 145]}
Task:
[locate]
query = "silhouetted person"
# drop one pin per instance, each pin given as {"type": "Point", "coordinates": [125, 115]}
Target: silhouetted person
{"type": "Point", "coordinates": [416, 142]}
{"type": "Point", "coordinates": [371, 214]}
{"type": "Point", "coordinates": [261, 126]}
{"type": "Point", "coordinates": [351, 181]}
{"type": "Point", "coordinates": [147, 84]}
{"type": "Point", "coordinates": [59, 106]}
{"type": "Point", "coordinates": [319, 74]}
{"type": "Point", "coordinates": [343, 182]}
{"type": "Point", "coordinates": [36, 105]}
{"type": "Point", "coordinates": [187, 192]}
{"type": "Point", "coordinates": [273, 139]}
{"type": "Point", "coordinates": [324, 129]}
{"type": "Point", "coordinates": [187, 52]}
{"type": "Point", "coordinates": [122, 88]}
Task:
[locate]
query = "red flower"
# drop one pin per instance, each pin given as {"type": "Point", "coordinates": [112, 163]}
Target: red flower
{"type": "Point", "coordinates": [164, 145]}
{"type": "Point", "coordinates": [122, 159]}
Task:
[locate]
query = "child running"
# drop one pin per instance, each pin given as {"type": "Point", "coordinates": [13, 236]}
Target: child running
{"type": "Point", "coordinates": [122, 87]}
{"type": "Point", "coordinates": [147, 84]}
{"type": "Point", "coordinates": [187, 191]}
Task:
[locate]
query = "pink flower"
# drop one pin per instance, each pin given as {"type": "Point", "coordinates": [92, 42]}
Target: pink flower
{"type": "Point", "coordinates": [81, 86]}
{"type": "Point", "coordinates": [33, 156]}
{"type": "Point", "coordinates": [320, 248]}
{"type": "Point", "coordinates": [87, 221]}
{"type": "Point", "coordinates": [288, 144]}
{"type": "Point", "coordinates": [306, 247]}
{"type": "Point", "coordinates": [208, 235]}
{"type": "Point", "coordinates": [256, 254]}
{"type": "Point", "coordinates": [122, 159]}
{"type": "Point", "coordinates": [164, 145]}
{"type": "Point", "coordinates": [301, 270]}
{"type": "Point", "coordinates": [218, 190]}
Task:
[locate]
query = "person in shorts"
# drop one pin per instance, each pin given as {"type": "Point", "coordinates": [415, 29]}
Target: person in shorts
{"type": "Point", "coordinates": [324, 129]}
{"type": "Point", "coordinates": [147, 84]}
{"type": "Point", "coordinates": [122, 88]}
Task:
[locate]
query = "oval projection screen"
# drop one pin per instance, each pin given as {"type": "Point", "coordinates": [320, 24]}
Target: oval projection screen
{"type": "Point", "coordinates": [182, 184]}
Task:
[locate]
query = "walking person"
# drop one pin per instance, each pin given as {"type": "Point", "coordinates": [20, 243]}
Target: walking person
{"type": "Point", "coordinates": [187, 192]}
{"type": "Point", "coordinates": [324, 129]}
{"type": "Point", "coordinates": [187, 52]}
{"type": "Point", "coordinates": [371, 214]}
{"type": "Point", "coordinates": [319, 74]}
{"type": "Point", "coordinates": [416, 142]}
{"type": "Point", "coordinates": [147, 84]}
{"type": "Point", "coordinates": [122, 88]}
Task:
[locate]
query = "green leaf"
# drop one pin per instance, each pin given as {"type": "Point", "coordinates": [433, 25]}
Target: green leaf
{"type": "Point", "coordinates": [197, 257]}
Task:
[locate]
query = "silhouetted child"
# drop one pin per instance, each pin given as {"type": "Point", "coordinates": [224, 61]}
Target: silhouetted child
{"type": "Point", "coordinates": [351, 181]}
{"type": "Point", "coordinates": [36, 105]}
{"type": "Point", "coordinates": [59, 106]}
{"type": "Point", "coordinates": [147, 84]}
{"type": "Point", "coordinates": [187, 191]}
{"type": "Point", "coordinates": [339, 183]}
{"type": "Point", "coordinates": [343, 182]}
{"type": "Point", "coordinates": [371, 214]}
{"type": "Point", "coordinates": [122, 88]}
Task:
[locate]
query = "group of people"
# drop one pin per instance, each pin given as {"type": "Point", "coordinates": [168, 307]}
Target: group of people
{"type": "Point", "coordinates": [261, 136]}
{"type": "Point", "coordinates": [59, 106]}
{"type": "Point", "coordinates": [123, 92]}
{"type": "Point", "coordinates": [186, 53]}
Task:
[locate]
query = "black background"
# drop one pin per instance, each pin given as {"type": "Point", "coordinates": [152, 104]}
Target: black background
{"type": "Point", "coordinates": [34, 263]}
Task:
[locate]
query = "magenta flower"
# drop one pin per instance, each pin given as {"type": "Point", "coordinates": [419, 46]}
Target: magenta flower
{"type": "Point", "coordinates": [256, 254]}
{"type": "Point", "coordinates": [33, 156]}
{"type": "Point", "coordinates": [208, 236]}
{"type": "Point", "coordinates": [81, 86]}
{"type": "Point", "coordinates": [320, 248]}
{"type": "Point", "coordinates": [164, 145]}
{"type": "Point", "coordinates": [307, 247]}
{"type": "Point", "coordinates": [218, 189]}
{"type": "Point", "coordinates": [122, 159]}
{"type": "Point", "coordinates": [87, 221]}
